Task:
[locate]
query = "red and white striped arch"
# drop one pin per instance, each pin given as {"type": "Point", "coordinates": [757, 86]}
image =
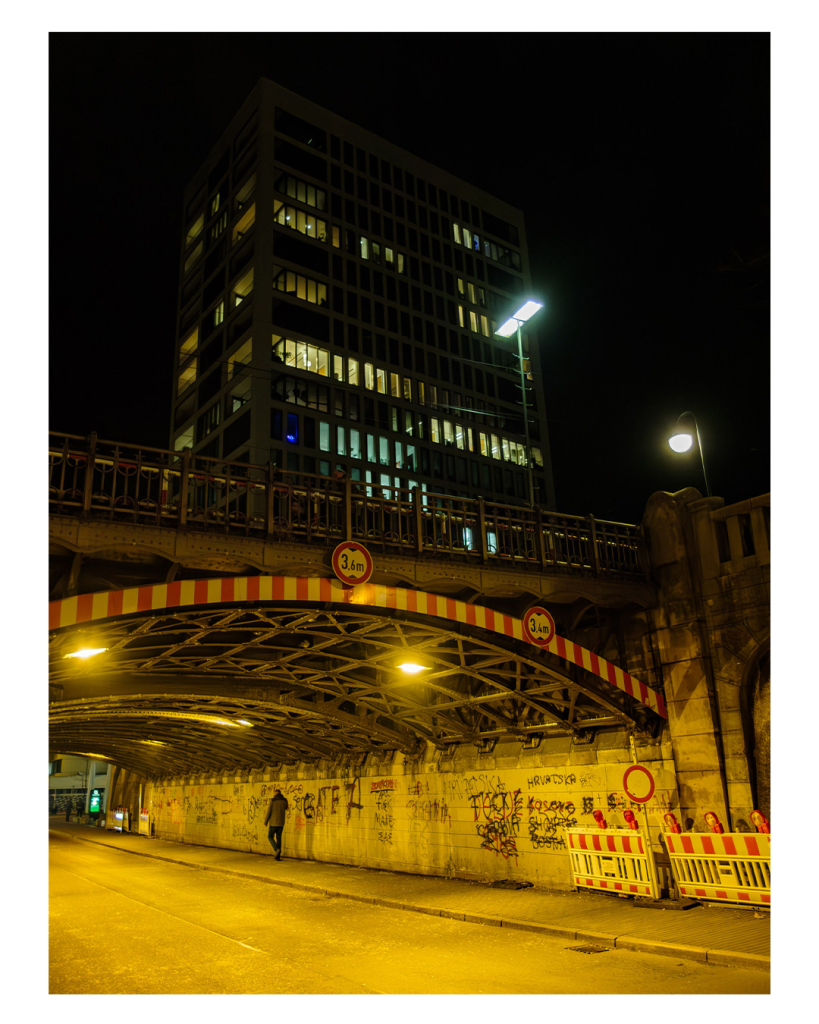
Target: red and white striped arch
{"type": "Point", "coordinates": [73, 611]}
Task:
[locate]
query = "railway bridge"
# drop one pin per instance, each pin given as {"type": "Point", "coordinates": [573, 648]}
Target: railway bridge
{"type": "Point", "coordinates": [256, 629]}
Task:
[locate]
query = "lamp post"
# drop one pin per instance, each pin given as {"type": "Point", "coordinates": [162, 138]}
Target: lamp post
{"type": "Point", "coordinates": [506, 330]}
{"type": "Point", "coordinates": [682, 438]}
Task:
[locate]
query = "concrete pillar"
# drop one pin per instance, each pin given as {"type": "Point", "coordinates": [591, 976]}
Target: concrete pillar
{"type": "Point", "coordinates": [678, 623]}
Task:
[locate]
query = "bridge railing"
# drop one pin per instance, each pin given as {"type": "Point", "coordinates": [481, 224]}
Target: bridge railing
{"type": "Point", "coordinates": [152, 486]}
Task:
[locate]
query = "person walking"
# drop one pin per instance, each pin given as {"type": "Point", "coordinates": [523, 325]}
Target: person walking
{"type": "Point", "coordinates": [274, 819]}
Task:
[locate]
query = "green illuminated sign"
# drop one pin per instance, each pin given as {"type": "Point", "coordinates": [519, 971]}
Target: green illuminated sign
{"type": "Point", "coordinates": [95, 801]}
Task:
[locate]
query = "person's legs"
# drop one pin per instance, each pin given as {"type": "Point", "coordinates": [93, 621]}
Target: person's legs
{"type": "Point", "coordinates": [274, 835]}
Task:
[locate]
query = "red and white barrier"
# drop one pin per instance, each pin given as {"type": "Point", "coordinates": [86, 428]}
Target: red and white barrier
{"type": "Point", "coordinates": [734, 867]}
{"type": "Point", "coordinates": [613, 860]}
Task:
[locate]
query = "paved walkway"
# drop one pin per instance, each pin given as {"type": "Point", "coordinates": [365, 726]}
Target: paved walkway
{"type": "Point", "coordinates": [717, 934]}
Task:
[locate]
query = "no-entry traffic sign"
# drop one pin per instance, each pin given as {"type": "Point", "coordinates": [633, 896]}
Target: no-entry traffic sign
{"type": "Point", "coordinates": [638, 783]}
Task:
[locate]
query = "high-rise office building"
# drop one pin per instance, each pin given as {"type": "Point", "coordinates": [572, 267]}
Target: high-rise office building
{"type": "Point", "coordinates": [337, 305]}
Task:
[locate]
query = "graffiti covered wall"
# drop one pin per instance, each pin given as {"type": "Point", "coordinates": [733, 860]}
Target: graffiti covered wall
{"type": "Point", "coordinates": [478, 817]}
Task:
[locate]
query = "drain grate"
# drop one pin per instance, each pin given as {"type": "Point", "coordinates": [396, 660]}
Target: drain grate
{"type": "Point", "coordinates": [589, 949]}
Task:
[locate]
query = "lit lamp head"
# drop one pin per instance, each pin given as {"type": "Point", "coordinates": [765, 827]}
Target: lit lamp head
{"type": "Point", "coordinates": [526, 311]}
{"type": "Point", "coordinates": [684, 433]}
{"type": "Point", "coordinates": [411, 668]}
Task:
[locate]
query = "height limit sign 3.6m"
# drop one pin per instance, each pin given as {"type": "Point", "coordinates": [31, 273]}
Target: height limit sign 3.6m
{"type": "Point", "coordinates": [352, 563]}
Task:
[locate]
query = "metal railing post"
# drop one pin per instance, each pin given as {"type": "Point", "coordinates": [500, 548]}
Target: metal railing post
{"type": "Point", "coordinates": [593, 541]}
{"type": "Point", "coordinates": [416, 509]}
{"type": "Point", "coordinates": [482, 528]}
{"type": "Point", "coordinates": [88, 486]}
{"type": "Point", "coordinates": [270, 496]}
{"type": "Point", "coordinates": [540, 544]}
{"type": "Point", "coordinates": [347, 512]}
{"type": "Point", "coordinates": [184, 483]}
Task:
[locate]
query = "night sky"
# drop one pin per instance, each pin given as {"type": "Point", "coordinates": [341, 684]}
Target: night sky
{"type": "Point", "coordinates": [640, 161]}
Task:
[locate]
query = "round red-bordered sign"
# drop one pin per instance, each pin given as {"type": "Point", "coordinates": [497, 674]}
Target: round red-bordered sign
{"type": "Point", "coordinates": [538, 626]}
{"type": "Point", "coordinates": [352, 563]}
{"type": "Point", "coordinates": [645, 779]}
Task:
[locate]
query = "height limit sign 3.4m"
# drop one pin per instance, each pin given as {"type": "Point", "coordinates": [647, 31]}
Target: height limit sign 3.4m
{"type": "Point", "coordinates": [538, 626]}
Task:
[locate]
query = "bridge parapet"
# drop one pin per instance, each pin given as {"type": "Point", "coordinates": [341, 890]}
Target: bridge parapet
{"type": "Point", "coordinates": [109, 480]}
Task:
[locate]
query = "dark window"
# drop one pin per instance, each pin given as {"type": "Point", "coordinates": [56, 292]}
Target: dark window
{"type": "Point", "coordinates": [301, 160]}
{"type": "Point", "coordinates": [236, 434]}
{"type": "Point", "coordinates": [301, 131]}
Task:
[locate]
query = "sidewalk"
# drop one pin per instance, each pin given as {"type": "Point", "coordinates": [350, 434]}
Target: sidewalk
{"type": "Point", "coordinates": [716, 934]}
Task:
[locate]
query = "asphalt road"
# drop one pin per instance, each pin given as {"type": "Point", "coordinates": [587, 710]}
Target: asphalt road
{"type": "Point", "coordinates": [121, 924]}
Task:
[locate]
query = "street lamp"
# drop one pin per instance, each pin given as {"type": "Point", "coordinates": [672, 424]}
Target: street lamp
{"type": "Point", "coordinates": [682, 439]}
{"type": "Point", "coordinates": [506, 330]}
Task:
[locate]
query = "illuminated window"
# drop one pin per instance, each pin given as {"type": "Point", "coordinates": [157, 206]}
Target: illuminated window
{"type": "Point", "coordinates": [456, 232]}
{"type": "Point", "coordinates": [219, 313]}
{"type": "Point", "coordinates": [240, 359]}
{"type": "Point", "coordinates": [186, 377]}
{"type": "Point", "coordinates": [243, 288]}
{"type": "Point", "coordinates": [338, 367]}
{"type": "Point", "coordinates": [471, 293]}
{"type": "Point", "coordinates": [369, 377]}
{"type": "Point", "coordinates": [461, 315]}
{"type": "Point", "coordinates": [395, 385]}
{"type": "Point", "coordinates": [184, 440]}
{"type": "Point", "coordinates": [435, 431]}
{"type": "Point", "coordinates": [245, 194]}
{"type": "Point", "coordinates": [461, 291]}
{"type": "Point", "coordinates": [355, 443]}
{"type": "Point", "coordinates": [408, 389]}
{"type": "Point", "coordinates": [384, 452]}
{"type": "Point", "coordinates": [352, 371]}
{"type": "Point", "coordinates": [495, 447]}
{"type": "Point", "coordinates": [486, 330]}
{"type": "Point", "coordinates": [305, 223]}
{"type": "Point", "coordinates": [238, 395]}
{"type": "Point", "coordinates": [459, 436]}
{"type": "Point", "coordinates": [449, 433]}
{"type": "Point", "coordinates": [195, 230]}
{"type": "Point", "coordinates": [292, 428]}
{"type": "Point", "coordinates": [218, 227]}
{"type": "Point", "coordinates": [188, 346]}
{"type": "Point", "coordinates": [483, 443]}
{"type": "Point", "coordinates": [507, 455]}
{"type": "Point", "coordinates": [300, 190]}
{"type": "Point", "coordinates": [365, 247]}
{"type": "Point", "coordinates": [302, 287]}
{"type": "Point", "coordinates": [341, 441]}
{"type": "Point", "coordinates": [421, 393]}
{"type": "Point", "coordinates": [381, 381]}
{"type": "Point", "coordinates": [473, 321]}
{"type": "Point", "coordinates": [324, 436]}
{"type": "Point", "coordinates": [243, 225]}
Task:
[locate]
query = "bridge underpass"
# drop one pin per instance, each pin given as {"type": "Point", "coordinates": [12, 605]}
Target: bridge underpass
{"type": "Point", "coordinates": [227, 685]}
{"type": "Point", "coordinates": [238, 684]}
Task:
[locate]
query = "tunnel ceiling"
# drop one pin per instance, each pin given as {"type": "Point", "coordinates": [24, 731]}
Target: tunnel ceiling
{"type": "Point", "coordinates": [226, 688]}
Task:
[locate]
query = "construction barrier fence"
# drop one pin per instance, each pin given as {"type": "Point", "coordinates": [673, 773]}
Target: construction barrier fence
{"type": "Point", "coordinates": [731, 866]}
{"type": "Point", "coordinates": [614, 860]}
